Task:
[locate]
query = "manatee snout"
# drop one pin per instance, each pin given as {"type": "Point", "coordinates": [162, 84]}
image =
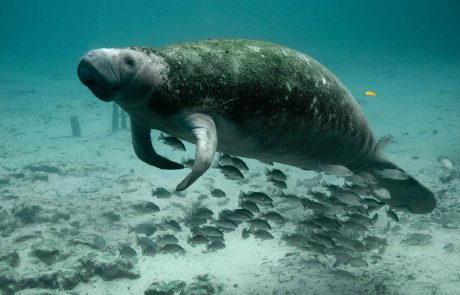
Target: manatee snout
{"type": "Point", "coordinates": [97, 70]}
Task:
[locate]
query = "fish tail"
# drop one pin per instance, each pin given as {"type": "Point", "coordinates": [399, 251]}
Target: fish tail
{"type": "Point", "coordinates": [240, 201]}
{"type": "Point", "coordinates": [267, 171]}
{"type": "Point", "coordinates": [374, 218]}
{"type": "Point", "coordinates": [219, 159]}
{"type": "Point", "coordinates": [383, 143]}
{"type": "Point", "coordinates": [407, 192]}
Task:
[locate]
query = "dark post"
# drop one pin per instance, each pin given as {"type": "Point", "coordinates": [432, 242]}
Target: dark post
{"type": "Point", "coordinates": [75, 124]}
{"type": "Point", "coordinates": [115, 117]}
{"type": "Point", "coordinates": [123, 120]}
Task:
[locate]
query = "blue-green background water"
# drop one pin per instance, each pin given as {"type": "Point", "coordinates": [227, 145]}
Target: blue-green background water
{"type": "Point", "coordinates": [64, 29]}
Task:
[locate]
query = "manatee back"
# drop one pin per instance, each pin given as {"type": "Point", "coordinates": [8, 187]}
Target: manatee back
{"type": "Point", "coordinates": [268, 88]}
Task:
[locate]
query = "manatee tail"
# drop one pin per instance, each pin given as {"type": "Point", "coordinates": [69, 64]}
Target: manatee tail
{"type": "Point", "coordinates": [405, 191]}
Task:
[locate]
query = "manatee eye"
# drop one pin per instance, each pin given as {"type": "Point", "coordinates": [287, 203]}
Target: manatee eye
{"type": "Point", "coordinates": [129, 61]}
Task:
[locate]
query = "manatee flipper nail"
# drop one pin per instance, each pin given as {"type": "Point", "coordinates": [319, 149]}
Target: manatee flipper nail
{"type": "Point", "coordinates": [203, 128]}
{"type": "Point", "coordinates": [144, 150]}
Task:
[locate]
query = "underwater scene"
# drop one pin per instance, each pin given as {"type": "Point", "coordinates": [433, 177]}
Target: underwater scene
{"type": "Point", "coordinates": [230, 147]}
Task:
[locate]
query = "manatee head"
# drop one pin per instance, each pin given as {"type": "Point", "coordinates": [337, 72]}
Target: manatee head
{"type": "Point", "coordinates": [127, 76]}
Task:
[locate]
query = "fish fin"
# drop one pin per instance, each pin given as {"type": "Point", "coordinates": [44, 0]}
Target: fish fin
{"type": "Point", "coordinates": [161, 137]}
{"type": "Point", "coordinates": [266, 171]}
{"type": "Point", "coordinates": [143, 148]}
{"type": "Point", "coordinates": [383, 142]}
{"type": "Point", "coordinates": [204, 129]}
{"type": "Point", "coordinates": [298, 183]}
{"type": "Point", "coordinates": [215, 164]}
{"type": "Point", "coordinates": [374, 218]}
{"type": "Point", "coordinates": [408, 192]}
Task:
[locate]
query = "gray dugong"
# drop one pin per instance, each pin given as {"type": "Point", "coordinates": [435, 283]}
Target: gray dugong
{"type": "Point", "coordinates": [247, 98]}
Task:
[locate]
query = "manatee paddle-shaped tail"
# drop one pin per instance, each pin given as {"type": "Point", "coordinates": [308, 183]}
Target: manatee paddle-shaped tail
{"type": "Point", "coordinates": [204, 130]}
{"type": "Point", "coordinates": [144, 150]}
{"type": "Point", "coordinates": [405, 191]}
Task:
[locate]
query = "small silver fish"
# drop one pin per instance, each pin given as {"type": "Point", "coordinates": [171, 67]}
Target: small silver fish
{"type": "Point", "coordinates": [144, 242]}
{"type": "Point", "coordinates": [368, 178]}
{"type": "Point", "coordinates": [161, 193]}
{"type": "Point", "coordinates": [251, 206]}
{"type": "Point", "coordinates": [449, 247]}
{"type": "Point", "coordinates": [218, 193]}
{"type": "Point", "coordinates": [196, 220]}
{"type": "Point", "coordinates": [210, 231]}
{"type": "Point", "coordinates": [446, 163]}
{"type": "Point", "coordinates": [237, 215]}
{"type": "Point", "coordinates": [167, 239]}
{"type": "Point", "coordinates": [361, 219]}
{"type": "Point", "coordinates": [315, 181]}
{"type": "Point", "coordinates": [172, 249]}
{"type": "Point", "coordinates": [262, 235]}
{"type": "Point", "coordinates": [173, 142]}
{"type": "Point", "coordinates": [278, 184]}
{"type": "Point", "coordinates": [216, 245]}
{"type": "Point", "coordinates": [143, 228]}
{"type": "Point", "coordinates": [392, 214]}
{"type": "Point", "coordinates": [127, 251]}
{"type": "Point", "coordinates": [240, 164]}
{"type": "Point", "coordinates": [225, 224]}
{"type": "Point", "coordinates": [337, 170]}
{"type": "Point", "coordinates": [353, 225]}
{"type": "Point", "coordinates": [293, 200]}
{"type": "Point", "coordinates": [145, 207]}
{"type": "Point", "coordinates": [296, 240]}
{"type": "Point", "coordinates": [382, 194]}
{"type": "Point", "coordinates": [174, 225]}
{"type": "Point", "coordinates": [225, 159]}
{"type": "Point", "coordinates": [275, 174]}
{"type": "Point", "coordinates": [245, 233]}
{"type": "Point", "coordinates": [188, 162]}
{"type": "Point", "coordinates": [231, 172]}
{"type": "Point", "coordinates": [259, 223]}
{"type": "Point", "coordinates": [198, 240]}
{"type": "Point", "coordinates": [347, 198]}
{"type": "Point", "coordinates": [323, 240]}
{"type": "Point", "coordinates": [417, 239]}
{"type": "Point", "coordinates": [274, 216]}
{"type": "Point", "coordinates": [392, 174]}
{"type": "Point", "coordinates": [358, 262]}
{"type": "Point", "coordinates": [256, 197]}
{"type": "Point", "coordinates": [357, 180]}
{"type": "Point", "coordinates": [203, 212]}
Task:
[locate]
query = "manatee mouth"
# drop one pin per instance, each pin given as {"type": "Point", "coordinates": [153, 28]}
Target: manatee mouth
{"type": "Point", "coordinates": [97, 73]}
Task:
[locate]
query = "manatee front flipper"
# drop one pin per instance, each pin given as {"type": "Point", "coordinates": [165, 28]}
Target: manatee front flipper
{"type": "Point", "coordinates": [204, 130]}
{"type": "Point", "coordinates": [144, 150]}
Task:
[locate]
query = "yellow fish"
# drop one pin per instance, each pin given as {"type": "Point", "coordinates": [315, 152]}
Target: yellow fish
{"type": "Point", "coordinates": [370, 93]}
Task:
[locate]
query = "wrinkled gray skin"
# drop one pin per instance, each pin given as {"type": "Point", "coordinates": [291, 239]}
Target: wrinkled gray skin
{"type": "Point", "coordinates": [246, 98]}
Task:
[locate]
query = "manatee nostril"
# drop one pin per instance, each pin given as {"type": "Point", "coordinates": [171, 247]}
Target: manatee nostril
{"type": "Point", "coordinates": [129, 61]}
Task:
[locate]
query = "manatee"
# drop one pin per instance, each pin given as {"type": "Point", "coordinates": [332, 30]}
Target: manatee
{"type": "Point", "coordinates": [246, 98]}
